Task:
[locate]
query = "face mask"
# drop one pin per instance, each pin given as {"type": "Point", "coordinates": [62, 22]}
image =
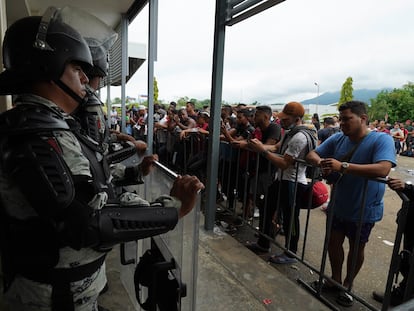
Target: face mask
{"type": "Point", "coordinates": [289, 127]}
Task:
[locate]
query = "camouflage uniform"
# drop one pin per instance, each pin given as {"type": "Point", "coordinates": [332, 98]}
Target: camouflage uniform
{"type": "Point", "coordinates": [25, 294]}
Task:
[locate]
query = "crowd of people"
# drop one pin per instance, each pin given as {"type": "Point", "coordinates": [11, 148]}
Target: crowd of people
{"type": "Point", "coordinates": [401, 132]}
{"type": "Point", "coordinates": [57, 170]}
{"type": "Point", "coordinates": [347, 148]}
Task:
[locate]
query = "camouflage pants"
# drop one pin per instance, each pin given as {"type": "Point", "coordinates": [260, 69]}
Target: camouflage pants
{"type": "Point", "coordinates": [27, 295]}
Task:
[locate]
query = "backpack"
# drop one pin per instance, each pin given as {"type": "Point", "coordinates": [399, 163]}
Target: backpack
{"type": "Point", "coordinates": [319, 196]}
{"type": "Point", "coordinates": [312, 172]}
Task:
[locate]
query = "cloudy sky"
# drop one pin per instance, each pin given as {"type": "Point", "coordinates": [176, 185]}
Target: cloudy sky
{"type": "Point", "coordinates": [278, 55]}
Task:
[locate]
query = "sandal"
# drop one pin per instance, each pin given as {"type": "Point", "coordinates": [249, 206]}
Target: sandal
{"type": "Point", "coordinates": [282, 259]}
{"type": "Point", "coordinates": [326, 287]}
{"type": "Point", "coordinates": [345, 299]}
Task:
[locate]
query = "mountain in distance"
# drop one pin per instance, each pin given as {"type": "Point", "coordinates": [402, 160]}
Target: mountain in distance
{"type": "Point", "coordinates": [333, 97]}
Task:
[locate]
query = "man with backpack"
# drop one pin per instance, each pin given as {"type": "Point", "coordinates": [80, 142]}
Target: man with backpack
{"type": "Point", "coordinates": [297, 141]}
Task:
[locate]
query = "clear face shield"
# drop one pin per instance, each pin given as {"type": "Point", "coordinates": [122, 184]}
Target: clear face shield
{"type": "Point", "coordinates": [95, 31]}
{"type": "Point", "coordinates": [99, 36]}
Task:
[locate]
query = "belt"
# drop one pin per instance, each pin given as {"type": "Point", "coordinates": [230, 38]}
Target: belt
{"type": "Point", "coordinates": [60, 279]}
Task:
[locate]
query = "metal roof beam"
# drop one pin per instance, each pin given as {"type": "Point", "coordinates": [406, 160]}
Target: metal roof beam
{"type": "Point", "coordinates": [242, 6]}
{"type": "Point", "coordinates": [135, 8]}
{"type": "Point", "coordinates": [240, 11]}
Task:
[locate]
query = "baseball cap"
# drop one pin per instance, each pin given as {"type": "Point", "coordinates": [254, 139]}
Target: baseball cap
{"type": "Point", "coordinates": [204, 113]}
{"type": "Point", "coordinates": [292, 109]}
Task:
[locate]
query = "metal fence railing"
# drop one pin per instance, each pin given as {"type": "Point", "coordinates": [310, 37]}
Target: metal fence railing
{"type": "Point", "coordinates": [244, 181]}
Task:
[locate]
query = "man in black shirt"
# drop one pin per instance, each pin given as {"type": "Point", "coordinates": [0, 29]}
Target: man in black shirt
{"type": "Point", "coordinates": [269, 134]}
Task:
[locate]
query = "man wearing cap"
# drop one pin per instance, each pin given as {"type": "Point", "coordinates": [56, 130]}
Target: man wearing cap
{"type": "Point", "coordinates": [297, 141]}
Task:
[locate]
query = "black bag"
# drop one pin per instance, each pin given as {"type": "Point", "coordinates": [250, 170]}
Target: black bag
{"type": "Point", "coordinates": [164, 290]}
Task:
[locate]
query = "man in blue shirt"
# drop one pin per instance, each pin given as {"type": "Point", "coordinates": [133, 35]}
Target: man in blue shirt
{"type": "Point", "coordinates": [352, 156]}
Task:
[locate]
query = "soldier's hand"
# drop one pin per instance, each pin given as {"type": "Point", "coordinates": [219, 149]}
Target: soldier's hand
{"type": "Point", "coordinates": [185, 189]}
{"type": "Point", "coordinates": [147, 164]}
{"type": "Point", "coordinates": [141, 146]}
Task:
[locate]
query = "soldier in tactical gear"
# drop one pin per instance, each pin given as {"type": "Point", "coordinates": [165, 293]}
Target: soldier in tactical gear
{"type": "Point", "coordinates": [116, 146]}
{"type": "Point", "coordinates": [56, 223]}
{"type": "Point", "coordinates": [112, 147]}
{"type": "Point", "coordinates": [91, 115]}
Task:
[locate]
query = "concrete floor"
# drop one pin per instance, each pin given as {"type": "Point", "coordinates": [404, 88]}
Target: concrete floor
{"type": "Point", "coordinates": [230, 278]}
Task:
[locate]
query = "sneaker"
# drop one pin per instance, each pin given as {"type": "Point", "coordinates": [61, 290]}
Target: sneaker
{"type": "Point", "coordinates": [282, 259]}
{"type": "Point", "coordinates": [326, 287]}
{"type": "Point", "coordinates": [345, 299]}
{"type": "Point", "coordinates": [256, 248]}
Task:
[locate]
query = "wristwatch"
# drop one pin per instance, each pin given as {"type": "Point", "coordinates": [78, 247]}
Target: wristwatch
{"type": "Point", "coordinates": [344, 166]}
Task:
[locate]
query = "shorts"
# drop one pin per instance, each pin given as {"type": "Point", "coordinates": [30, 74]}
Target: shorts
{"type": "Point", "coordinates": [350, 228]}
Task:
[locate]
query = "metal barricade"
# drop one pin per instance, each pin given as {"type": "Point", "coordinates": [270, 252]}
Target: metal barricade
{"type": "Point", "coordinates": [241, 183]}
{"type": "Point", "coordinates": [231, 180]}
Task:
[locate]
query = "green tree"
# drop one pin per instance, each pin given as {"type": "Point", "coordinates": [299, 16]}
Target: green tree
{"type": "Point", "coordinates": [205, 102]}
{"type": "Point", "coordinates": [395, 105]}
{"type": "Point", "coordinates": [155, 90]}
{"type": "Point", "coordinates": [116, 100]}
{"type": "Point", "coordinates": [182, 101]}
{"type": "Point", "coordinates": [346, 91]}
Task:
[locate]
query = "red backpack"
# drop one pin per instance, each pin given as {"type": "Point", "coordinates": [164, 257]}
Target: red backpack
{"type": "Point", "coordinates": [320, 195]}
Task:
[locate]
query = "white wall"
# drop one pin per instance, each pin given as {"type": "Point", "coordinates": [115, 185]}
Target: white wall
{"type": "Point", "coordinates": [321, 110]}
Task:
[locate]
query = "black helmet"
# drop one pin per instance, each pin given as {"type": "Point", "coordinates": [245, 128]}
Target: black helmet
{"type": "Point", "coordinates": [38, 50]}
{"type": "Point", "coordinates": [100, 59]}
